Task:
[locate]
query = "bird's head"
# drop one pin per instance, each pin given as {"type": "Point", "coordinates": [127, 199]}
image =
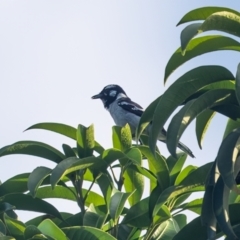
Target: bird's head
{"type": "Point", "coordinates": [109, 94]}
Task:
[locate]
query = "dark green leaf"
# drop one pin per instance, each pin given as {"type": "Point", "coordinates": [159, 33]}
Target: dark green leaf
{"type": "Point", "coordinates": [33, 148]}
{"type": "Point", "coordinates": [117, 203]}
{"type": "Point", "coordinates": [238, 83]}
{"type": "Point", "coordinates": [36, 178]}
{"type": "Point", "coordinates": [94, 217]}
{"type": "Point", "coordinates": [86, 233]}
{"type": "Point", "coordinates": [200, 46]}
{"type": "Point", "coordinates": [31, 231]}
{"type": "Point", "coordinates": [60, 128]}
{"type": "Point", "coordinates": [231, 125]}
{"type": "Point", "coordinates": [2, 227]}
{"type": "Point", "coordinates": [138, 215]}
{"type": "Point", "coordinates": [181, 220]}
{"type": "Point", "coordinates": [133, 182]}
{"type": "Point", "coordinates": [14, 227]}
{"type": "Point", "coordinates": [70, 165]}
{"type": "Point", "coordinates": [179, 91]}
{"type": "Point", "coordinates": [158, 166]}
{"type": "Point", "coordinates": [191, 110]}
{"type": "Point", "coordinates": [202, 13]}
{"type": "Point", "coordinates": [28, 203]}
{"type": "Point", "coordinates": [202, 123]}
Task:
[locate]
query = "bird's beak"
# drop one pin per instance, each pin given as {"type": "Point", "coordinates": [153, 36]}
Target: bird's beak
{"type": "Point", "coordinates": [97, 96]}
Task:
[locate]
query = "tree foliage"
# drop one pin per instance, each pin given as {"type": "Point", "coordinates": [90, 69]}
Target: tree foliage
{"type": "Point", "coordinates": [119, 210]}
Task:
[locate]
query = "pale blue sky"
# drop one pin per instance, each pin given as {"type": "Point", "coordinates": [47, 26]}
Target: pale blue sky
{"type": "Point", "coordinates": [54, 55]}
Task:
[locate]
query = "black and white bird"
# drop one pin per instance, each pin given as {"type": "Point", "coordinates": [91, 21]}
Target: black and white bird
{"type": "Point", "coordinates": [123, 110]}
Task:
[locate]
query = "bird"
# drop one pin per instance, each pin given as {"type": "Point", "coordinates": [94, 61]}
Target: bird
{"type": "Point", "coordinates": [124, 111]}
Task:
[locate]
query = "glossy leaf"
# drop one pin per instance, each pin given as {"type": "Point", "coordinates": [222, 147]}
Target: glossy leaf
{"type": "Point", "coordinates": [133, 182]}
{"type": "Point", "coordinates": [117, 204]}
{"type": "Point", "coordinates": [159, 166]}
{"type": "Point", "coordinates": [28, 203]}
{"type": "Point", "coordinates": [180, 90]}
{"type": "Point", "coordinates": [106, 185]}
{"type": "Point", "coordinates": [36, 178]}
{"type": "Point", "coordinates": [231, 125]}
{"type": "Point", "coordinates": [2, 228]}
{"type": "Point", "coordinates": [14, 227]}
{"type": "Point", "coordinates": [187, 34]}
{"type": "Point", "coordinates": [60, 128]}
{"type": "Point", "coordinates": [94, 217]}
{"type": "Point", "coordinates": [194, 206]}
{"type": "Point", "coordinates": [220, 207]}
{"type": "Point", "coordinates": [203, 13]}
{"type": "Point", "coordinates": [174, 191]}
{"type": "Point", "coordinates": [181, 220]}
{"type": "Point", "coordinates": [31, 231]}
{"type": "Point", "coordinates": [88, 233]}
{"type": "Point", "coordinates": [226, 159]}
{"type": "Point", "coordinates": [17, 183]}
{"type": "Point", "coordinates": [191, 110]}
{"type": "Point", "coordinates": [176, 166]}
{"type": "Point", "coordinates": [167, 230]}
{"type": "Point", "coordinates": [199, 46]}
{"type": "Point", "coordinates": [68, 151]}
{"type": "Point", "coordinates": [49, 228]}
{"type": "Point", "coordinates": [222, 21]}
{"type": "Point", "coordinates": [70, 165]}
{"type": "Point", "coordinates": [33, 148]}
{"type": "Point", "coordinates": [184, 173]}
{"type": "Point", "coordinates": [202, 123]}
{"type": "Point", "coordinates": [138, 215]}
{"type": "Point", "coordinates": [238, 83]}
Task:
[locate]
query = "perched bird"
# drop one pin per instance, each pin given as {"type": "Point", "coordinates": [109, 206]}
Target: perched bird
{"type": "Point", "coordinates": [123, 110]}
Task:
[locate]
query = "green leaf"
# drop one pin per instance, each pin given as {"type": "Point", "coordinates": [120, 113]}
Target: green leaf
{"type": "Point", "coordinates": [133, 182]}
{"type": "Point", "coordinates": [194, 228]}
{"type": "Point", "coordinates": [94, 217]}
{"type": "Point", "coordinates": [187, 34]}
{"type": "Point", "coordinates": [85, 141]}
{"type": "Point", "coordinates": [15, 227]}
{"type": "Point", "coordinates": [191, 110]}
{"type": "Point", "coordinates": [200, 46]}
{"type": "Point", "coordinates": [220, 207]}
{"type": "Point", "coordinates": [182, 89]}
{"type": "Point", "coordinates": [238, 83]}
{"type": "Point", "coordinates": [184, 173]}
{"type": "Point", "coordinates": [28, 203]}
{"type": "Point", "coordinates": [146, 117]}
{"type": "Point", "coordinates": [158, 166]}
{"type": "Point", "coordinates": [181, 220]}
{"type": "Point", "coordinates": [202, 123]}
{"type": "Point", "coordinates": [227, 159]}
{"type": "Point", "coordinates": [60, 128]}
{"type": "Point", "coordinates": [231, 125]}
{"type": "Point", "coordinates": [33, 148]}
{"type": "Point", "coordinates": [70, 165]}
{"type": "Point", "coordinates": [17, 183]}
{"type": "Point", "coordinates": [167, 230]}
{"type": "Point", "coordinates": [177, 166]}
{"type": "Point", "coordinates": [86, 233]}
{"type": "Point", "coordinates": [203, 13]}
{"type": "Point", "coordinates": [68, 151]}
{"type": "Point", "coordinates": [138, 215]}
{"type": "Point", "coordinates": [2, 227]}
{"type": "Point", "coordinates": [49, 228]}
{"type": "Point", "coordinates": [194, 206]}
{"type": "Point", "coordinates": [36, 178]}
{"type": "Point", "coordinates": [117, 203]}
{"type": "Point", "coordinates": [31, 231]}
{"type": "Point", "coordinates": [134, 154]}
{"type": "Point", "coordinates": [227, 22]}
{"type": "Point", "coordinates": [173, 192]}
{"type": "Point", "coordinates": [106, 185]}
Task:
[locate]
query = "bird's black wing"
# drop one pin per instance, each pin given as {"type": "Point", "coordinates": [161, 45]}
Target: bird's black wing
{"type": "Point", "coordinates": [130, 106]}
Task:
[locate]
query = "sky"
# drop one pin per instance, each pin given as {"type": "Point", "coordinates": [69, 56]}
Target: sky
{"type": "Point", "coordinates": [55, 55]}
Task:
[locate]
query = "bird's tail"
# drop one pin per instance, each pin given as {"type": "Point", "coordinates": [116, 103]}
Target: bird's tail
{"type": "Point", "coordinates": [185, 149]}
